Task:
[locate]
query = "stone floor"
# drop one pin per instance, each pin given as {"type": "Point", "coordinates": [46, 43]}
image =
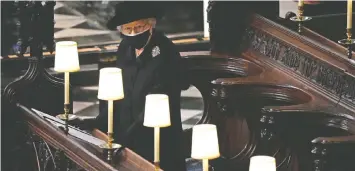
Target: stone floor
{"type": "Point", "coordinates": [86, 104]}
{"type": "Point", "coordinates": [72, 23]}
{"type": "Point", "coordinates": [84, 22]}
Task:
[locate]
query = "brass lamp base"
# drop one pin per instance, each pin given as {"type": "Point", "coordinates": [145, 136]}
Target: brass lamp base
{"type": "Point", "coordinates": [347, 41]}
{"type": "Point", "coordinates": [300, 19]}
{"type": "Point", "coordinates": [107, 147]}
{"type": "Point", "coordinates": [110, 149]}
{"type": "Point", "coordinates": [63, 117]}
{"type": "Point", "coordinates": [157, 166]}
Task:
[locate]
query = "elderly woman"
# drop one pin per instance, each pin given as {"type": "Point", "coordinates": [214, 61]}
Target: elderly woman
{"type": "Point", "coordinates": [150, 64]}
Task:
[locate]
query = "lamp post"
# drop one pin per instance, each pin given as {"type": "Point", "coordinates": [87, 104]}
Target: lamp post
{"type": "Point", "coordinates": [110, 89]}
{"type": "Point", "coordinates": [157, 115]}
{"type": "Point", "coordinates": [204, 143]}
{"type": "Point", "coordinates": [349, 41]}
{"type": "Point", "coordinates": [66, 60]}
{"type": "Point", "coordinates": [206, 28]}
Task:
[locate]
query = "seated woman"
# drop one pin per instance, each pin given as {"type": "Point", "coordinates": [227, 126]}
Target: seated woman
{"type": "Point", "coordinates": [150, 63]}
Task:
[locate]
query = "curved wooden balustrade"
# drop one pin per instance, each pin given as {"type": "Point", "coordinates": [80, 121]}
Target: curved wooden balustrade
{"type": "Point", "coordinates": [281, 97]}
{"type": "Point", "coordinates": [99, 53]}
{"type": "Point", "coordinates": [31, 143]}
{"type": "Point", "coordinates": [299, 108]}
{"type": "Point", "coordinates": [57, 144]}
{"type": "Point", "coordinates": [201, 69]}
{"type": "Point", "coordinates": [279, 120]}
{"type": "Point", "coordinates": [52, 149]}
{"type": "Point", "coordinates": [243, 105]}
{"type": "Point", "coordinates": [321, 138]}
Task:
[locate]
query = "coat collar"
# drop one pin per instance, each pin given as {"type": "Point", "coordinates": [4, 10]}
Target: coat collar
{"type": "Point", "coordinates": [150, 50]}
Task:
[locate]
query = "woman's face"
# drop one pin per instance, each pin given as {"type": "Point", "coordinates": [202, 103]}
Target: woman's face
{"type": "Point", "coordinates": [135, 27]}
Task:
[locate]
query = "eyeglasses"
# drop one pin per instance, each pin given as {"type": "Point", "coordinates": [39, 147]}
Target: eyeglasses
{"type": "Point", "coordinates": [127, 30]}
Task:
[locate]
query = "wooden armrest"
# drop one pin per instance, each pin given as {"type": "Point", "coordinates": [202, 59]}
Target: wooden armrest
{"type": "Point", "coordinates": [129, 157]}
{"type": "Point", "coordinates": [99, 134]}
{"type": "Point", "coordinates": [335, 140]}
{"type": "Point", "coordinates": [86, 117]}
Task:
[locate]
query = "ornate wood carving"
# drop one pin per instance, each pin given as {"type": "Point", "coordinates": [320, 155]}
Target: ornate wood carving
{"type": "Point", "coordinates": [35, 19]}
{"type": "Point", "coordinates": [201, 69]}
{"type": "Point", "coordinates": [64, 150]}
{"type": "Point", "coordinates": [333, 79]}
{"type": "Point", "coordinates": [36, 88]}
{"type": "Point", "coordinates": [47, 157]}
{"type": "Point", "coordinates": [284, 130]}
{"type": "Point", "coordinates": [311, 58]}
{"type": "Point", "coordinates": [279, 111]}
{"type": "Point", "coordinates": [274, 100]}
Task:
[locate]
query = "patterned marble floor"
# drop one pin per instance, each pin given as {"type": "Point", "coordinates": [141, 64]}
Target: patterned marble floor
{"type": "Point", "coordinates": [86, 104]}
{"type": "Point", "coordinates": [84, 22]}
{"type": "Point", "coordinates": [71, 24]}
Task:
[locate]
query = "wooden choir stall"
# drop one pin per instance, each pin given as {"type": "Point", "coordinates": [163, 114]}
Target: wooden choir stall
{"type": "Point", "coordinates": [33, 138]}
{"type": "Point", "coordinates": [268, 89]}
{"type": "Point", "coordinates": [274, 91]}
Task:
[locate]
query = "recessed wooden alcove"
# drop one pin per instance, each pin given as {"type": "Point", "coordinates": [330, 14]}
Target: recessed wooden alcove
{"type": "Point", "coordinates": [243, 129]}
{"type": "Point", "coordinates": [299, 109]}
{"type": "Point", "coordinates": [279, 97]}
{"type": "Point", "coordinates": [201, 69]}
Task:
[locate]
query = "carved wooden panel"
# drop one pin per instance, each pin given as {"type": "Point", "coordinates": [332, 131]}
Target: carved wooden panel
{"type": "Point", "coordinates": [49, 158]}
{"type": "Point", "coordinates": [202, 68]}
{"type": "Point", "coordinates": [333, 79]}
{"type": "Point", "coordinates": [245, 129]}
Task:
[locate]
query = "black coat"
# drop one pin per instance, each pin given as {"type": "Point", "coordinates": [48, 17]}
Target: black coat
{"type": "Point", "coordinates": [156, 70]}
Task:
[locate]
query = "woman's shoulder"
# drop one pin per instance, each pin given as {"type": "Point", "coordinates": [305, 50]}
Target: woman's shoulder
{"type": "Point", "coordinates": [162, 40]}
{"type": "Point", "coordinates": [123, 45]}
{"type": "Point", "coordinates": [164, 43]}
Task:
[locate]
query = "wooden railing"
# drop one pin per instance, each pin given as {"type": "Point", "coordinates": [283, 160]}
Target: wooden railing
{"type": "Point", "coordinates": [298, 107]}
{"type": "Point", "coordinates": [96, 54]}
{"type": "Point", "coordinates": [284, 96]}
{"type": "Point", "coordinates": [54, 150]}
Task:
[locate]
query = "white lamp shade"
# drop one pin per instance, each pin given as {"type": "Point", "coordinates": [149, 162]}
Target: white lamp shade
{"type": "Point", "coordinates": [110, 84]}
{"type": "Point", "coordinates": [66, 57]}
{"type": "Point", "coordinates": [204, 142]}
{"type": "Point", "coordinates": [264, 163]}
{"type": "Point", "coordinates": [157, 111]}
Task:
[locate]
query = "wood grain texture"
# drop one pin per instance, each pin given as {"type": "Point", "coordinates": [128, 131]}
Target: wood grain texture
{"type": "Point", "coordinates": [289, 108]}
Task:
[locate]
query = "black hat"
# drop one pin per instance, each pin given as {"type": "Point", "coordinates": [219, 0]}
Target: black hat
{"type": "Point", "coordinates": [129, 11]}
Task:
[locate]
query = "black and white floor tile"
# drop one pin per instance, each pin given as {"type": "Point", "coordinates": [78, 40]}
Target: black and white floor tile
{"type": "Point", "coordinates": [74, 23]}
{"type": "Point", "coordinates": [71, 24]}
{"type": "Point", "coordinates": [84, 21]}
{"type": "Point", "coordinates": [86, 104]}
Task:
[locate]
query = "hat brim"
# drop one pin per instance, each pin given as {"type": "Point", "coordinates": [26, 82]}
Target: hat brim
{"type": "Point", "coordinates": [118, 21]}
{"type": "Point", "coordinates": [129, 11]}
